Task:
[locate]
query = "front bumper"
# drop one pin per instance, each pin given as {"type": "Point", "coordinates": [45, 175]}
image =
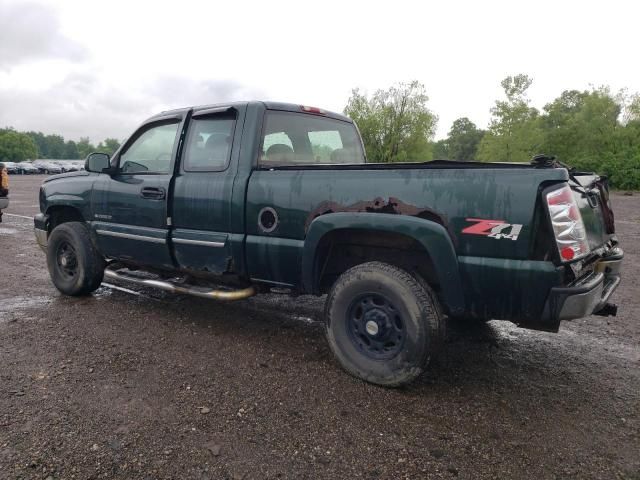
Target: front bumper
{"type": "Point", "coordinates": [588, 295]}
{"type": "Point", "coordinates": [41, 231]}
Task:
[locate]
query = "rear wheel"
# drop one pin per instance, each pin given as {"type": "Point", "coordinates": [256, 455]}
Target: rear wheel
{"type": "Point", "coordinates": [382, 324]}
{"type": "Point", "coordinates": [75, 266]}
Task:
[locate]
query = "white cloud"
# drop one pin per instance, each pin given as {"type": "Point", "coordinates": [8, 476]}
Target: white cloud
{"type": "Point", "coordinates": [111, 64]}
{"type": "Point", "coordinates": [30, 31]}
{"type": "Point", "coordinates": [82, 104]}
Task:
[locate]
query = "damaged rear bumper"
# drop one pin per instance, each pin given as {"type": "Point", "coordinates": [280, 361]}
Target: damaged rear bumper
{"type": "Point", "coordinates": [588, 295]}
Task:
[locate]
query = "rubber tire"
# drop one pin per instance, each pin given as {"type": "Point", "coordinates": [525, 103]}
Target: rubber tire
{"type": "Point", "coordinates": [91, 264]}
{"type": "Point", "coordinates": [420, 311]}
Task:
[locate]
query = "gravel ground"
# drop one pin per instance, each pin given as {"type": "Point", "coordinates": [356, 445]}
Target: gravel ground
{"type": "Point", "coordinates": [138, 384]}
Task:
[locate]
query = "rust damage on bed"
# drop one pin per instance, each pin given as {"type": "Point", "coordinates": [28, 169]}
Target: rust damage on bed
{"type": "Point", "coordinates": [391, 205]}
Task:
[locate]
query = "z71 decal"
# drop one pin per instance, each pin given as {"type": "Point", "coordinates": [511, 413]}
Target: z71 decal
{"type": "Point", "coordinates": [493, 228]}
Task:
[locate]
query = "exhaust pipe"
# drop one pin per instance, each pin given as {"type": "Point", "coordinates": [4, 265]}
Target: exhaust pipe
{"type": "Point", "coordinates": [225, 295]}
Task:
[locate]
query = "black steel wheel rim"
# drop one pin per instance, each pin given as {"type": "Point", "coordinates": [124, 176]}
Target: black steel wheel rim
{"type": "Point", "coordinates": [376, 327]}
{"type": "Point", "coordinates": [67, 260]}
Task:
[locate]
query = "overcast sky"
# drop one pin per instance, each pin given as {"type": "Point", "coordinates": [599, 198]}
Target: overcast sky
{"type": "Point", "coordinates": [97, 69]}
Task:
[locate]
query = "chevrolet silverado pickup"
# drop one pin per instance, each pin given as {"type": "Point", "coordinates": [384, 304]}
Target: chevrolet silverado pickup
{"type": "Point", "coordinates": [227, 201]}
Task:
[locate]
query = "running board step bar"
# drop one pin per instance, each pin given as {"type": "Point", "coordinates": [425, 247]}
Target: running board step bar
{"type": "Point", "coordinates": [202, 292]}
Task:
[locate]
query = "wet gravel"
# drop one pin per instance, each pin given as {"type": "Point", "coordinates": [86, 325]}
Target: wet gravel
{"type": "Point", "coordinates": [138, 384]}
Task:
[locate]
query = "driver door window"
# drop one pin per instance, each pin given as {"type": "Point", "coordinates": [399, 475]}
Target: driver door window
{"type": "Point", "coordinates": [151, 152]}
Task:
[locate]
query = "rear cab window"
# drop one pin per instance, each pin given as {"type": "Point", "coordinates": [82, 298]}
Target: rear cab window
{"type": "Point", "coordinates": [304, 139]}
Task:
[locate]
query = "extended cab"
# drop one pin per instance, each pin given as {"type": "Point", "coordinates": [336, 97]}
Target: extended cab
{"type": "Point", "coordinates": [231, 200]}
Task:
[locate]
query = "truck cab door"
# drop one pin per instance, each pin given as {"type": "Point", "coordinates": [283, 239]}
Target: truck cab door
{"type": "Point", "coordinates": [201, 212]}
{"type": "Point", "coordinates": [130, 220]}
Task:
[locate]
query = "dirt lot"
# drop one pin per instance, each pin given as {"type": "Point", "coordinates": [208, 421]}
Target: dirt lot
{"type": "Point", "coordinates": [138, 384]}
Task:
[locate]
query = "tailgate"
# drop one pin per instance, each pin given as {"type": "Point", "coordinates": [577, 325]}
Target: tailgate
{"type": "Point", "coordinates": [591, 192]}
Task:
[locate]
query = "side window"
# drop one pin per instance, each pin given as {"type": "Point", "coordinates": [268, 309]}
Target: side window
{"type": "Point", "coordinates": [208, 146]}
{"type": "Point", "coordinates": [151, 151]}
{"type": "Point", "coordinates": [302, 139]}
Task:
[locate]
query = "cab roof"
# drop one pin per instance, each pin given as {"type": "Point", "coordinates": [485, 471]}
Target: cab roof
{"type": "Point", "coordinates": [282, 106]}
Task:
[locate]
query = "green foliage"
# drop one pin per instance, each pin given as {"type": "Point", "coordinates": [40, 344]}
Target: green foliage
{"type": "Point", "coordinates": [592, 130]}
{"type": "Point", "coordinates": [109, 146]}
{"type": "Point", "coordinates": [41, 143]}
{"type": "Point", "coordinates": [55, 147]}
{"type": "Point", "coordinates": [395, 124]}
{"type": "Point", "coordinates": [464, 139]}
{"type": "Point", "coordinates": [71, 150]}
{"type": "Point", "coordinates": [581, 124]}
{"type": "Point", "coordinates": [16, 146]}
{"type": "Point", "coordinates": [515, 133]}
{"type": "Point", "coordinates": [441, 150]}
{"type": "Point", "coordinates": [84, 147]}
{"type": "Point", "coordinates": [596, 131]}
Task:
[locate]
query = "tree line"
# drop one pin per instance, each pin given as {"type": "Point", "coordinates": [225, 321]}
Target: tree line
{"type": "Point", "coordinates": [20, 146]}
{"type": "Point", "coordinates": [591, 130]}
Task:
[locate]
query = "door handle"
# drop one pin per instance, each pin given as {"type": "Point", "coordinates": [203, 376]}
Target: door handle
{"type": "Point", "coordinates": [154, 193]}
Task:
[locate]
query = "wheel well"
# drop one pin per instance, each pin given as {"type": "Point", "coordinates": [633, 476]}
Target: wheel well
{"type": "Point", "coordinates": [58, 215]}
{"type": "Point", "coordinates": [342, 249]}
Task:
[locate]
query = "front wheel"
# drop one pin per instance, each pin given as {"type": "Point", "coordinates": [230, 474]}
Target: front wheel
{"type": "Point", "coordinates": [75, 266]}
{"type": "Point", "coordinates": [383, 324]}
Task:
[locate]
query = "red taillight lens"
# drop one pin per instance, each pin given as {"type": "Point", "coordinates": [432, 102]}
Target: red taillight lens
{"type": "Point", "coordinates": [568, 227]}
{"type": "Point", "coordinates": [315, 110]}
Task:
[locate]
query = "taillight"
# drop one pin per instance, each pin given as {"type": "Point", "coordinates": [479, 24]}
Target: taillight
{"type": "Point", "coordinates": [567, 224]}
{"type": "Point", "coordinates": [315, 110]}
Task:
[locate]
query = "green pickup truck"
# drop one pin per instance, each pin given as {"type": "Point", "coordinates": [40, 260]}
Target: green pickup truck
{"type": "Point", "coordinates": [227, 201]}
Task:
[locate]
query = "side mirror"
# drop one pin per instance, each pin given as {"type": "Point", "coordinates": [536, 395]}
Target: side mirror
{"type": "Point", "coordinates": [97, 162]}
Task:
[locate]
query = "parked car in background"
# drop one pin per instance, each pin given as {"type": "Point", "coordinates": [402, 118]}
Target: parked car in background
{"type": "Point", "coordinates": [12, 167]}
{"type": "Point", "coordinates": [53, 168]}
{"type": "Point", "coordinates": [47, 167]}
{"type": "Point", "coordinates": [39, 165]}
{"type": "Point", "coordinates": [64, 166]}
{"type": "Point", "coordinates": [26, 168]}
